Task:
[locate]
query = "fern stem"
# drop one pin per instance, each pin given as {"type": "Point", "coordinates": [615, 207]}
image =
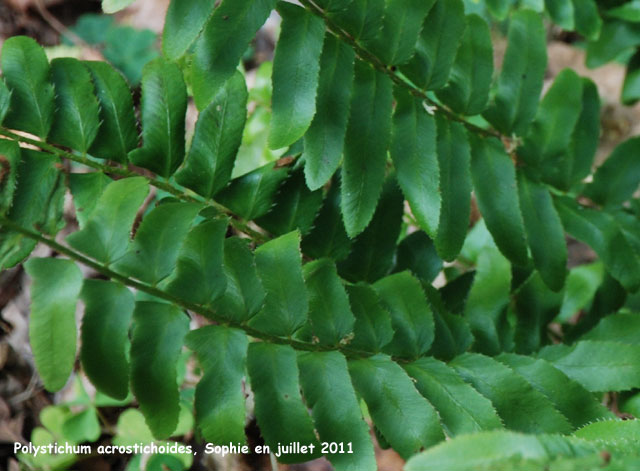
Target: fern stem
{"type": "Point", "coordinates": [238, 224]}
{"type": "Point", "coordinates": [186, 305]}
{"type": "Point", "coordinates": [390, 71]}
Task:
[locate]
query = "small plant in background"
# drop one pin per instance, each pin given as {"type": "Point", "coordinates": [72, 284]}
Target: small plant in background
{"type": "Point", "coordinates": [371, 240]}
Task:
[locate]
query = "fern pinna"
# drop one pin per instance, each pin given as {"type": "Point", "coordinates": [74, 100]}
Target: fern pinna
{"type": "Point", "coordinates": [317, 293]}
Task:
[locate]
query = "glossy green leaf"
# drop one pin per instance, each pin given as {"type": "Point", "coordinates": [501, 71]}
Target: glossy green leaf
{"type": "Point", "coordinates": [105, 336]}
{"type": "Point", "coordinates": [405, 418]}
{"type": "Point", "coordinates": [10, 156]}
{"type": "Point", "coordinates": [571, 167]}
{"type": "Point", "coordinates": [372, 252]}
{"type": "Point", "coordinates": [26, 71]}
{"type": "Point", "coordinates": [216, 141]}
{"type": "Point", "coordinates": [562, 13]}
{"type": "Point", "coordinates": [552, 129]}
{"type": "Point", "coordinates": [295, 207]}
{"type": "Point", "coordinates": [112, 6]}
{"type": "Point", "coordinates": [611, 433]}
{"type": "Point", "coordinates": [106, 232]}
{"type": "Point", "coordinates": [495, 449]}
{"type": "Point", "coordinates": [330, 316]}
{"type": "Point", "coordinates": [487, 300]}
{"type": "Point", "coordinates": [417, 253]}
{"type": "Point", "coordinates": [280, 270]}
{"type": "Point", "coordinates": [5, 100]}
{"type": "Point", "coordinates": [52, 320]}
{"type": "Point", "coordinates": [520, 406]}
{"type": "Point", "coordinates": [630, 88]}
{"type": "Point", "coordinates": [545, 233]}
{"type": "Point", "coordinates": [86, 189]}
{"type": "Point", "coordinates": [452, 332]}
{"type": "Point", "coordinates": [183, 24]}
{"type": "Point", "coordinates": [461, 408]}
{"type": "Point", "coordinates": [494, 181]}
{"type": "Point", "coordinates": [413, 150]}
{"type": "Point", "coordinates": [372, 329]}
{"type": "Point", "coordinates": [436, 49]}
{"type": "Point", "coordinates": [296, 68]}
{"type": "Point", "coordinates": [252, 195]}
{"type": "Point", "coordinates": [244, 293]}
{"type": "Point", "coordinates": [324, 140]}
{"type": "Point", "coordinates": [153, 253]}
{"type": "Point", "coordinates": [219, 401]}
{"type": "Point", "coordinates": [411, 315]}
{"type": "Point", "coordinates": [118, 134]}
{"type": "Point", "coordinates": [281, 414]}
{"type": "Point", "coordinates": [164, 106]}
{"type": "Point", "coordinates": [499, 8]}
{"type": "Point", "coordinates": [599, 366]}
{"type": "Point", "coordinates": [582, 284]}
{"type": "Point", "coordinates": [603, 234]}
{"type": "Point", "coordinates": [587, 17]}
{"type": "Point", "coordinates": [38, 204]}
{"type": "Point", "coordinates": [467, 91]}
{"type": "Point", "coordinates": [535, 307]}
{"type": "Point", "coordinates": [223, 42]}
{"type": "Point", "coordinates": [454, 162]}
{"type": "Point", "coordinates": [570, 398]}
{"type": "Point", "coordinates": [618, 178]}
{"type": "Point", "coordinates": [401, 26]}
{"type": "Point", "coordinates": [368, 135]}
{"type": "Point", "coordinates": [621, 327]}
{"type": "Point", "coordinates": [522, 75]}
{"type": "Point", "coordinates": [156, 341]}
{"type": "Point", "coordinates": [362, 19]}
{"type": "Point", "coordinates": [615, 38]}
{"type": "Point", "coordinates": [199, 277]}
{"type": "Point", "coordinates": [76, 118]}
{"type": "Point", "coordinates": [328, 237]}
{"type": "Point", "coordinates": [324, 376]}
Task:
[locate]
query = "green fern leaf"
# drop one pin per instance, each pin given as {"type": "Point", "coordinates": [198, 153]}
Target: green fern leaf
{"type": "Point", "coordinates": [516, 401]}
{"type": "Point", "coordinates": [164, 106]}
{"type": "Point", "coordinates": [324, 377]}
{"type": "Point", "coordinates": [405, 418]}
{"type": "Point", "coordinates": [183, 24]}
{"type": "Point", "coordinates": [27, 73]}
{"type": "Point", "coordinates": [545, 233]}
{"type": "Point", "coordinates": [105, 235]}
{"type": "Point", "coordinates": [522, 75]}
{"type": "Point", "coordinates": [252, 195]}
{"type": "Point", "coordinates": [105, 336]}
{"type": "Point", "coordinates": [461, 408]}
{"type": "Point", "coordinates": [454, 163]}
{"type": "Point", "coordinates": [598, 366]}
{"type": "Point", "coordinates": [411, 316]}
{"type": "Point", "coordinates": [367, 140]}
{"type": "Point", "coordinates": [152, 255]}
{"type": "Point", "coordinates": [287, 302]}
{"type": "Point", "coordinates": [117, 135]}
{"type": "Point", "coordinates": [76, 118]}
{"type": "Point", "coordinates": [156, 340]}
{"type": "Point", "coordinates": [402, 23]}
{"type": "Point", "coordinates": [494, 181]}
{"type": "Point", "coordinates": [324, 141]}
{"type": "Point", "coordinates": [436, 50]}
{"type": "Point", "coordinates": [223, 42]}
{"type": "Point", "coordinates": [330, 316]}
{"type": "Point", "coordinates": [295, 74]}
{"type": "Point", "coordinates": [199, 277]}
{"type": "Point", "coordinates": [467, 91]}
{"type": "Point", "coordinates": [219, 400]}
{"type": "Point", "coordinates": [281, 414]}
{"type": "Point", "coordinates": [52, 321]}
{"type": "Point", "coordinates": [244, 294]}
{"type": "Point", "coordinates": [216, 140]}
{"type": "Point", "coordinates": [413, 150]}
